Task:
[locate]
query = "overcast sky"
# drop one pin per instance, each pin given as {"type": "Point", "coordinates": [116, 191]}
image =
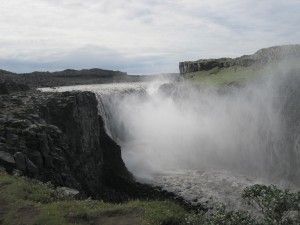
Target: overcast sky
{"type": "Point", "coordinates": [138, 36]}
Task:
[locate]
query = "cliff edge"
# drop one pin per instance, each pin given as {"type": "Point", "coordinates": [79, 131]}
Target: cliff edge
{"type": "Point", "coordinates": [59, 137]}
{"type": "Point", "coordinates": [260, 58]}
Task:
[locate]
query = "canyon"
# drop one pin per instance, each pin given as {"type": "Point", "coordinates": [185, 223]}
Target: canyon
{"type": "Point", "coordinates": [115, 137]}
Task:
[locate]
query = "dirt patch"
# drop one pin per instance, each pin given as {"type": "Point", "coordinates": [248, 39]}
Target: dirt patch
{"type": "Point", "coordinates": [120, 217]}
{"type": "Point", "coordinates": [27, 214]}
{"type": "Point", "coordinates": [111, 217]}
{"type": "Point", "coordinates": [128, 219]}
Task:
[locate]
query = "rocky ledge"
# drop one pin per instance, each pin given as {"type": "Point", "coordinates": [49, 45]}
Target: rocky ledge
{"type": "Point", "coordinates": [261, 57]}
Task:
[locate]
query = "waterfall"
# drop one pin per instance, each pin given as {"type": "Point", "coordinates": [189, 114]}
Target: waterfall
{"type": "Point", "coordinates": [248, 130]}
{"type": "Point", "coordinates": [206, 144]}
{"type": "Point", "coordinates": [252, 130]}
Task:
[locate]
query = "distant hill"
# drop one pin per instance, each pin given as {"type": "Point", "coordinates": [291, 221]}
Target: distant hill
{"type": "Point", "coordinates": [76, 77]}
{"type": "Point", "coordinates": [261, 57]}
{"type": "Point", "coordinates": [67, 77]}
{"type": "Point", "coordinates": [232, 70]}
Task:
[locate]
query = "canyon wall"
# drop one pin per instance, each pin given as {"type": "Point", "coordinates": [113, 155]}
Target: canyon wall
{"type": "Point", "coordinates": [60, 137]}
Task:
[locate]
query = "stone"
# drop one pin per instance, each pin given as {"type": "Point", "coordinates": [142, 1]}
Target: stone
{"type": "Point", "coordinates": [2, 120]}
{"type": "Point", "coordinates": [2, 146]}
{"type": "Point", "coordinates": [37, 158]}
{"type": "Point", "coordinates": [20, 159]}
{"type": "Point", "coordinates": [24, 164]}
{"type": "Point", "coordinates": [2, 169]}
{"type": "Point", "coordinates": [12, 137]}
{"type": "Point", "coordinates": [7, 160]}
{"type": "Point", "coordinates": [70, 192]}
{"type": "Point", "coordinates": [2, 139]}
{"type": "Point", "coordinates": [31, 168]}
{"type": "Point", "coordinates": [6, 157]}
{"type": "Point", "coordinates": [48, 161]}
{"type": "Point", "coordinates": [17, 173]}
{"type": "Point", "coordinates": [21, 124]}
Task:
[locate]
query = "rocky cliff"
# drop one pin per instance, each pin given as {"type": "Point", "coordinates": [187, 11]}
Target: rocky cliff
{"type": "Point", "coordinates": [59, 137]}
{"type": "Point", "coordinates": [261, 57]}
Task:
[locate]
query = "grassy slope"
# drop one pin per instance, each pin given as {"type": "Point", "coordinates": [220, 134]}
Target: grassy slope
{"type": "Point", "coordinates": [240, 75]}
{"type": "Point", "coordinates": [25, 201]}
{"type": "Point", "coordinates": [224, 76]}
{"type": "Point", "coordinates": [29, 202]}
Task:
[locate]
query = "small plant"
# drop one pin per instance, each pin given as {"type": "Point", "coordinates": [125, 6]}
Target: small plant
{"type": "Point", "coordinates": [276, 205]}
{"type": "Point", "coordinates": [220, 217]}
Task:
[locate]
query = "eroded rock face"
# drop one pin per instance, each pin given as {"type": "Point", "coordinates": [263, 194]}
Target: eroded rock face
{"type": "Point", "coordinates": [38, 147]}
{"type": "Point", "coordinates": [60, 137]}
{"type": "Point", "coordinates": [7, 160]}
{"type": "Point", "coordinates": [75, 114]}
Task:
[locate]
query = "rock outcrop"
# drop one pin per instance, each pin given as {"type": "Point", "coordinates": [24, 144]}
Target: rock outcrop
{"type": "Point", "coordinates": [59, 137]}
{"type": "Point", "coordinates": [7, 85]}
{"type": "Point", "coordinates": [261, 57]}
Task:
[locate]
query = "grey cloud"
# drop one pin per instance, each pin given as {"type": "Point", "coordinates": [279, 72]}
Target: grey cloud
{"type": "Point", "coordinates": [93, 57]}
{"type": "Point", "coordinates": [139, 36]}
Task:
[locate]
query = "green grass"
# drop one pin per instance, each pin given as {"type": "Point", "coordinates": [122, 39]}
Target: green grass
{"type": "Point", "coordinates": [26, 201]}
{"type": "Point", "coordinates": [224, 76]}
{"type": "Point", "coordinates": [29, 202]}
{"type": "Point", "coordinates": [241, 75]}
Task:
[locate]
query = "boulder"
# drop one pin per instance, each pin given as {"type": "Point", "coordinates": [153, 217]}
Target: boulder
{"type": "Point", "coordinates": [20, 159]}
{"type": "Point", "coordinates": [2, 169]}
{"type": "Point", "coordinates": [25, 165]}
{"type": "Point", "coordinates": [7, 160]}
{"type": "Point", "coordinates": [36, 158]}
{"type": "Point", "coordinates": [31, 168]}
{"type": "Point", "coordinates": [69, 192]}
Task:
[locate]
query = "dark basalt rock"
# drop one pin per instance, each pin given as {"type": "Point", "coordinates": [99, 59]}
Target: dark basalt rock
{"type": "Point", "coordinates": [20, 159]}
{"type": "Point", "coordinates": [35, 144]}
{"type": "Point", "coordinates": [60, 137]}
{"type": "Point", "coordinates": [8, 86]}
{"type": "Point", "coordinates": [91, 153]}
{"type": "Point", "coordinates": [7, 160]}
